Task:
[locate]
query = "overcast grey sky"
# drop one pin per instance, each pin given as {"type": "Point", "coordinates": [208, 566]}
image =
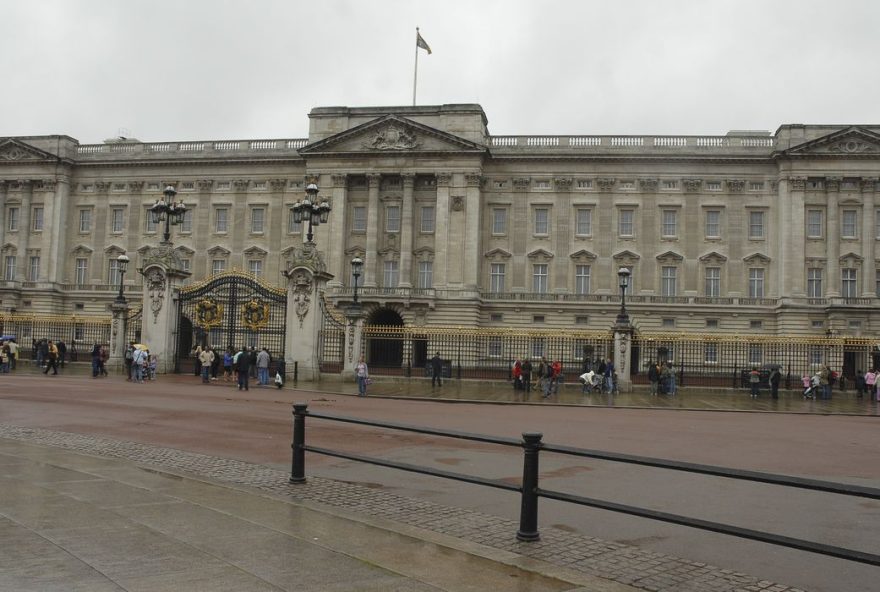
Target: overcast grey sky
{"type": "Point", "coordinates": [247, 69]}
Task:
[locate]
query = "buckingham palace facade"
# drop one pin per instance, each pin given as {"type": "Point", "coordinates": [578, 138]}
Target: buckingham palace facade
{"type": "Point", "coordinates": [744, 232]}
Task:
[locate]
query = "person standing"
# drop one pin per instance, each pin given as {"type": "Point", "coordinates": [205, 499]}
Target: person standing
{"type": "Point", "coordinates": [754, 381]}
{"type": "Point", "coordinates": [105, 357]}
{"type": "Point", "coordinates": [13, 353]}
{"type": "Point", "coordinates": [653, 377]}
{"type": "Point", "coordinates": [129, 356]}
{"type": "Point", "coordinates": [775, 376]}
{"type": "Point", "coordinates": [609, 376]}
{"type": "Point", "coordinates": [870, 381]}
{"type": "Point", "coordinates": [227, 365]}
{"type": "Point", "coordinates": [138, 357]}
{"type": "Point", "coordinates": [556, 378]}
{"type": "Point", "coordinates": [263, 367]}
{"type": "Point", "coordinates": [62, 352]}
{"type": "Point", "coordinates": [517, 374]}
{"type": "Point", "coordinates": [527, 375]}
{"type": "Point", "coordinates": [362, 374]}
{"type": "Point", "coordinates": [96, 360]}
{"type": "Point", "coordinates": [825, 382]}
{"type": "Point", "coordinates": [542, 374]}
{"type": "Point", "coordinates": [436, 370]}
{"type": "Point", "coordinates": [244, 369]}
{"type": "Point", "coordinates": [205, 358]}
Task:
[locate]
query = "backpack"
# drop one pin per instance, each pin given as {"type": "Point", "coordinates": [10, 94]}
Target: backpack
{"type": "Point", "coordinates": [129, 353]}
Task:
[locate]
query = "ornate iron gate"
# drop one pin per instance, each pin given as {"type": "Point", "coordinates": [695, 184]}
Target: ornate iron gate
{"type": "Point", "coordinates": [230, 310]}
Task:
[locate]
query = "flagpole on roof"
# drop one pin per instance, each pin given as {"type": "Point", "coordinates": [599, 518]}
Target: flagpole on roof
{"type": "Point", "coordinates": [416, 69]}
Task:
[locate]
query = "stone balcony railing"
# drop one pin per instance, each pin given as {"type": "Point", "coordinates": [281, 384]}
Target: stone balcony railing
{"type": "Point", "coordinates": [745, 144]}
{"type": "Point", "coordinates": [190, 150]}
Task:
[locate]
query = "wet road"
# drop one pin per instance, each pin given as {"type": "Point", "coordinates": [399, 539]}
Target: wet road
{"type": "Point", "coordinates": [255, 426]}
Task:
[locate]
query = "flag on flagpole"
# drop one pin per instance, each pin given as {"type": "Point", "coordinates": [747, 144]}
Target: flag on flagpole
{"type": "Point", "coordinates": [422, 43]}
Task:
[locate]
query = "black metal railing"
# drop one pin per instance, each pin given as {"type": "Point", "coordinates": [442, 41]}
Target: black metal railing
{"type": "Point", "coordinates": [530, 491]}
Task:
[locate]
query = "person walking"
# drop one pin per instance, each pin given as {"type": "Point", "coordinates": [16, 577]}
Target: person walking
{"type": "Point", "coordinates": [105, 357]}
{"type": "Point", "coordinates": [13, 353]}
{"type": "Point", "coordinates": [775, 376]}
{"type": "Point", "coordinates": [362, 374]}
{"type": "Point", "coordinates": [609, 376]}
{"type": "Point", "coordinates": [527, 374]}
{"type": "Point", "coordinates": [436, 370]}
{"type": "Point", "coordinates": [96, 360]}
{"type": "Point", "coordinates": [244, 369]}
{"type": "Point", "coordinates": [62, 352]}
{"type": "Point", "coordinates": [129, 356]}
{"type": "Point", "coordinates": [263, 360]}
{"type": "Point", "coordinates": [51, 358]}
{"type": "Point", "coordinates": [754, 381]}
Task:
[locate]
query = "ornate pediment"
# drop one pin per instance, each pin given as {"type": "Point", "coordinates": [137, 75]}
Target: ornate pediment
{"type": "Point", "coordinates": [851, 260]}
{"type": "Point", "coordinates": [12, 150]}
{"type": "Point", "coordinates": [256, 251]}
{"type": "Point", "coordinates": [114, 250]}
{"type": "Point", "coordinates": [185, 251]}
{"type": "Point", "coordinates": [583, 255]}
{"type": "Point", "coordinates": [81, 250]}
{"type": "Point", "coordinates": [219, 251]}
{"type": "Point", "coordinates": [626, 257]}
{"type": "Point", "coordinates": [713, 257]}
{"type": "Point", "coordinates": [540, 255]}
{"type": "Point", "coordinates": [670, 257]}
{"type": "Point", "coordinates": [757, 259]}
{"type": "Point", "coordinates": [424, 254]}
{"type": "Point", "coordinates": [390, 134]}
{"type": "Point", "coordinates": [354, 251]}
{"type": "Point", "coordinates": [498, 254]}
{"type": "Point", "coordinates": [852, 141]}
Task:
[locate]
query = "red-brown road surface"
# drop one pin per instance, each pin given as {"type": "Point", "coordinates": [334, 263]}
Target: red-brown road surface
{"type": "Point", "coordinates": [255, 426]}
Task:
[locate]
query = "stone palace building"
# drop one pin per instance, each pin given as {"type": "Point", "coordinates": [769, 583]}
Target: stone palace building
{"type": "Point", "coordinates": [745, 232]}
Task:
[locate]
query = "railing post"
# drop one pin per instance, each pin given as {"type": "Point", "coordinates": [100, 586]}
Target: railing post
{"type": "Point", "coordinates": [734, 376]}
{"type": "Point", "coordinates": [528, 515]}
{"type": "Point", "coordinates": [295, 371]}
{"type": "Point", "coordinates": [298, 460]}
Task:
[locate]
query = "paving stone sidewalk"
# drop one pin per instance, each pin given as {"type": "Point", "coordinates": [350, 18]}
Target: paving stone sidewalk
{"type": "Point", "coordinates": [613, 561]}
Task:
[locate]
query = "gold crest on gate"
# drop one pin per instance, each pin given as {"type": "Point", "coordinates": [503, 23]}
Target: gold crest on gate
{"type": "Point", "coordinates": [209, 313]}
{"type": "Point", "coordinates": [255, 314]}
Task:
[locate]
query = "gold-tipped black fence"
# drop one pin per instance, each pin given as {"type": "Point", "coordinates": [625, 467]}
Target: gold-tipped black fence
{"type": "Point", "coordinates": [77, 333]}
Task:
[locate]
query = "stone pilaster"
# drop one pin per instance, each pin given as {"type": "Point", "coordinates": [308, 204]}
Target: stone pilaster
{"type": "Point", "coordinates": [869, 236]}
{"type": "Point", "coordinates": [623, 356]}
{"type": "Point", "coordinates": [56, 257]}
{"type": "Point", "coordinates": [441, 230]}
{"type": "Point", "coordinates": [4, 195]}
{"type": "Point", "coordinates": [24, 226]}
{"type": "Point", "coordinates": [371, 260]}
{"type": "Point", "coordinates": [164, 275]}
{"type": "Point", "coordinates": [473, 216]}
{"type": "Point", "coordinates": [832, 187]}
{"type": "Point", "coordinates": [406, 232]}
{"type": "Point", "coordinates": [337, 231]}
{"type": "Point", "coordinates": [792, 248]}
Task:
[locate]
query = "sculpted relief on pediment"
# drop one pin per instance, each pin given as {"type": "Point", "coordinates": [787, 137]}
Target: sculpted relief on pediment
{"type": "Point", "coordinates": [391, 137]}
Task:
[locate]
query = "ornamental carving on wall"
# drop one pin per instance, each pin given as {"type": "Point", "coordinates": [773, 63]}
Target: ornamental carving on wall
{"type": "Point", "coordinates": [648, 184]}
{"type": "Point", "coordinates": [852, 147]}
{"type": "Point", "coordinates": [302, 299]}
{"type": "Point", "coordinates": [457, 203]}
{"type": "Point", "coordinates": [255, 314]}
{"type": "Point", "coordinates": [605, 183]}
{"type": "Point", "coordinates": [563, 183]}
{"type": "Point", "coordinates": [135, 186]}
{"type": "Point", "coordinates": [521, 183]}
{"type": "Point", "coordinates": [473, 179]}
{"type": "Point", "coordinates": [692, 185]}
{"type": "Point", "coordinates": [736, 185]}
{"type": "Point", "coordinates": [209, 313]}
{"type": "Point", "coordinates": [798, 183]}
{"type": "Point", "coordinates": [832, 183]}
{"type": "Point", "coordinates": [869, 183]}
{"type": "Point", "coordinates": [392, 137]}
{"type": "Point", "coordinates": [156, 291]}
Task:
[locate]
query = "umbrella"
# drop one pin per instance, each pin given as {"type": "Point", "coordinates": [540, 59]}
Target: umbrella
{"type": "Point", "coordinates": [140, 346]}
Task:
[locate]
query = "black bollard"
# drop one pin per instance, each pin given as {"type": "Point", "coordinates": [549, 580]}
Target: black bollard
{"type": "Point", "coordinates": [528, 515]}
{"type": "Point", "coordinates": [298, 461]}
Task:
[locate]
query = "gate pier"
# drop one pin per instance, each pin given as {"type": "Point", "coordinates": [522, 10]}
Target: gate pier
{"type": "Point", "coordinates": [164, 274]}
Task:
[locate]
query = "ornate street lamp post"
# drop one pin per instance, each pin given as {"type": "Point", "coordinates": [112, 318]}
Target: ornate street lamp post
{"type": "Point", "coordinates": [121, 265]}
{"type": "Point", "coordinates": [356, 265]}
{"type": "Point", "coordinates": [309, 209]}
{"type": "Point", "coordinates": [169, 211]}
{"type": "Point", "coordinates": [623, 275]}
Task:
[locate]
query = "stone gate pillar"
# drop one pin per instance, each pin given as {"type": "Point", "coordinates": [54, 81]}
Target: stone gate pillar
{"type": "Point", "coordinates": [354, 317]}
{"type": "Point", "coordinates": [623, 333]}
{"type": "Point", "coordinates": [164, 274]}
{"type": "Point", "coordinates": [306, 278]}
{"type": "Point", "coordinates": [118, 330]}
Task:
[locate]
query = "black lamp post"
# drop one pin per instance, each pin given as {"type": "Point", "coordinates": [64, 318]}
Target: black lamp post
{"type": "Point", "coordinates": [309, 209]}
{"type": "Point", "coordinates": [356, 265]}
{"type": "Point", "coordinates": [623, 275]}
{"type": "Point", "coordinates": [169, 211]}
{"type": "Point", "coordinates": [121, 265]}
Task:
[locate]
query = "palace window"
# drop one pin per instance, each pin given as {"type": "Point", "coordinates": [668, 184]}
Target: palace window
{"type": "Point", "coordinates": [114, 277]}
{"type": "Point", "coordinates": [496, 278]}
{"type": "Point", "coordinates": [293, 227]}
{"type": "Point", "coordinates": [85, 220]}
{"type": "Point", "coordinates": [258, 216]}
{"type": "Point", "coordinates": [117, 220]}
{"type": "Point", "coordinates": [427, 219]}
{"type": "Point", "coordinates": [584, 222]}
{"type": "Point", "coordinates": [756, 354]}
{"type": "Point", "coordinates": [814, 282]}
{"type": "Point", "coordinates": [12, 217]}
{"type": "Point", "coordinates": [186, 224]}
{"type": "Point", "coordinates": [539, 278]}
{"type": "Point", "coordinates": [670, 223]}
{"type": "Point", "coordinates": [713, 282]}
{"type": "Point", "coordinates": [849, 224]}
{"type": "Point", "coordinates": [668, 280]}
{"type": "Point", "coordinates": [37, 224]}
{"type": "Point", "coordinates": [150, 223]}
{"type": "Point", "coordinates": [255, 267]}
{"type": "Point", "coordinates": [81, 270]}
{"type": "Point", "coordinates": [218, 266]}
{"type": "Point", "coordinates": [848, 283]}
{"type": "Point", "coordinates": [625, 223]}
{"type": "Point", "coordinates": [499, 221]}
{"type": "Point", "coordinates": [756, 282]}
{"type": "Point", "coordinates": [392, 219]}
{"type": "Point", "coordinates": [710, 353]}
{"type": "Point", "coordinates": [814, 224]}
{"type": "Point", "coordinates": [391, 274]}
{"type": "Point", "coordinates": [221, 220]}
{"type": "Point", "coordinates": [582, 279]}
{"type": "Point", "coordinates": [713, 224]}
{"type": "Point", "coordinates": [426, 275]}
{"type": "Point", "coordinates": [542, 221]}
{"type": "Point", "coordinates": [34, 268]}
{"type": "Point", "coordinates": [756, 225]}
{"type": "Point", "coordinates": [359, 219]}
{"type": "Point", "coordinates": [538, 349]}
{"type": "Point", "coordinates": [493, 349]}
{"type": "Point", "coordinates": [10, 268]}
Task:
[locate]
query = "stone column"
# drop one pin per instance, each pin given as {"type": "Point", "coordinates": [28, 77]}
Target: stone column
{"type": "Point", "coordinates": [473, 223]}
{"type": "Point", "coordinates": [24, 227]}
{"type": "Point", "coordinates": [353, 330]}
{"type": "Point", "coordinates": [869, 232]}
{"type": "Point", "coordinates": [793, 248]}
{"type": "Point", "coordinates": [56, 259]}
{"type": "Point", "coordinates": [4, 194]}
{"type": "Point", "coordinates": [623, 356]}
{"type": "Point", "coordinates": [164, 275]}
{"type": "Point", "coordinates": [441, 230]}
{"type": "Point", "coordinates": [117, 335]}
{"type": "Point", "coordinates": [337, 232]}
{"type": "Point", "coordinates": [832, 186]}
{"type": "Point", "coordinates": [406, 232]}
{"type": "Point", "coordinates": [371, 258]}
{"type": "Point", "coordinates": [306, 279]}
